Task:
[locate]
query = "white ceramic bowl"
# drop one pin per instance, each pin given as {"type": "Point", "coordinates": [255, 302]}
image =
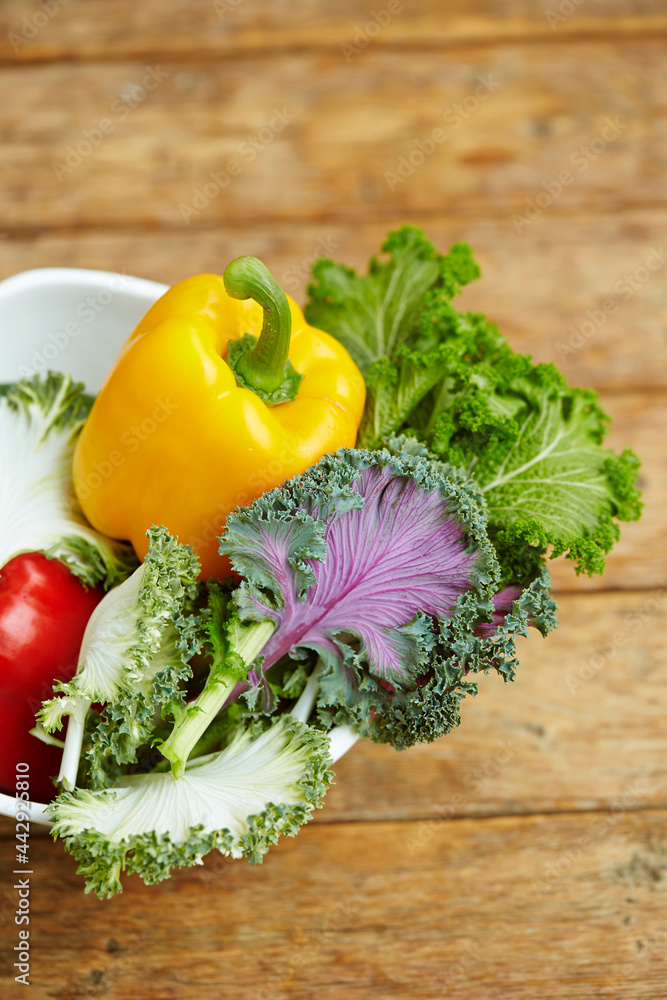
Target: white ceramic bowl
{"type": "Point", "coordinates": [75, 321]}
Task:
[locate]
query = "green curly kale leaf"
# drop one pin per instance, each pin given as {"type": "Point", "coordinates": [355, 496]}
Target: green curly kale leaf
{"type": "Point", "coordinates": [448, 378]}
{"type": "Point", "coordinates": [379, 319]}
{"type": "Point", "coordinates": [547, 482]}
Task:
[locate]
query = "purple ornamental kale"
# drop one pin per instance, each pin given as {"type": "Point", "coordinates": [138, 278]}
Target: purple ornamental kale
{"type": "Point", "coordinates": [502, 605]}
{"type": "Point", "coordinates": [402, 553]}
{"type": "Point", "coordinates": [357, 559]}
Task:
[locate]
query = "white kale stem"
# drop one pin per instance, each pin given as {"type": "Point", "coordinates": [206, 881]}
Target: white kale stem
{"type": "Point", "coordinates": [304, 705]}
{"type": "Point", "coordinates": [69, 764]}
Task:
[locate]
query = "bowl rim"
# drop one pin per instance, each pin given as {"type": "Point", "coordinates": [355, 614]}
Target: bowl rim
{"type": "Point", "coordinates": [17, 283]}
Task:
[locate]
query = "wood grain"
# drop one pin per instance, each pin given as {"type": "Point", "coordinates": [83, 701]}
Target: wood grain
{"type": "Point", "coordinates": [547, 287]}
{"type": "Point", "coordinates": [112, 29]}
{"type": "Point", "coordinates": [547, 907]}
{"type": "Point", "coordinates": [345, 132]}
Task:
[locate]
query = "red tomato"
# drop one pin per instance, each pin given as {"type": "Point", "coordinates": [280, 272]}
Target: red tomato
{"type": "Point", "coordinates": [43, 614]}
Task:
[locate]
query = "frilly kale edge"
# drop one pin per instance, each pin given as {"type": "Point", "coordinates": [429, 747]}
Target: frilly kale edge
{"type": "Point", "coordinates": [153, 855]}
{"type": "Point", "coordinates": [432, 709]}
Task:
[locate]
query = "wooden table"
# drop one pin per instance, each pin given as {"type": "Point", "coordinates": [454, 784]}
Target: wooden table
{"type": "Point", "coordinates": [524, 857]}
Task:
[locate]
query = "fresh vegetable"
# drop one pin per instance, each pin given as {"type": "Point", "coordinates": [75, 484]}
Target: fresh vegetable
{"type": "Point", "coordinates": [199, 416]}
{"type": "Point", "coordinates": [133, 660]}
{"type": "Point", "coordinates": [43, 614]}
{"type": "Point", "coordinates": [266, 782]}
{"type": "Point", "coordinates": [532, 443]}
{"type": "Point", "coordinates": [39, 423]}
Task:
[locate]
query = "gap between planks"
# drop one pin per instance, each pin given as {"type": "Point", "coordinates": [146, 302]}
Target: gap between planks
{"type": "Point", "coordinates": [8, 833]}
{"type": "Point", "coordinates": [495, 212]}
{"type": "Point", "coordinates": [242, 49]}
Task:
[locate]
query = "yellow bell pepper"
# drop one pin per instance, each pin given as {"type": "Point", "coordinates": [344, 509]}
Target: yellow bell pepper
{"type": "Point", "coordinates": [222, 392]}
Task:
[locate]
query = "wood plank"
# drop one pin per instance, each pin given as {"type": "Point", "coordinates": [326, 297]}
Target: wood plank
{"type": "Point", "coordinates": [344, 135]}
{"type": "Point", "coordinates": [112, 29]}
{"type": "Point", "coordinates": [581, 727]}
{"type": "Point", "coordinates": [516, 908]}
{"type": "Point", "coordinates": [546, 288]}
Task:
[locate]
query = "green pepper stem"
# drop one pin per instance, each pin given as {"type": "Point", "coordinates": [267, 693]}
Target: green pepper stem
{"type": "Point", "coordinates": [262, 368]}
